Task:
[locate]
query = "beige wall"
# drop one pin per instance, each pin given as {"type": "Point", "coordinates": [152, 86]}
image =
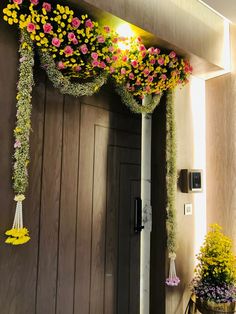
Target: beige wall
{"type": "Point", "coordinates": [221, 144]}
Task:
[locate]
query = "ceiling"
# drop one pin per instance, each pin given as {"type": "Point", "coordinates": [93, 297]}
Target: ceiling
{"type": "Point", "coordinates": [227, 8]}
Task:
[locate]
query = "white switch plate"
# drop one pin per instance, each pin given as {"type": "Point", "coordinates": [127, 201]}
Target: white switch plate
{"type": "Point", "coordinates": [188, 209]}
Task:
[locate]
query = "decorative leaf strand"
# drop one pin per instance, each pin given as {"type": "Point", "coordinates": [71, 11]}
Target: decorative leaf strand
{"type": "Point", "coordinates": [24, 107]}
{"type": "Point", "coordinates": [128, 99]}
{"type": "Point", "coordinates": [171, 173]}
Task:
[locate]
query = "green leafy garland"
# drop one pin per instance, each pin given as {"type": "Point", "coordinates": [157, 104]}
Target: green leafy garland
{"type": "Point", "coordinates": [171, 187]}
{"type": "Point", "coordinates": [128, 99]}
{"type": "Point", "coordinates": [63, 83]}
{"type": "Point", "coordinates": [18, 234]}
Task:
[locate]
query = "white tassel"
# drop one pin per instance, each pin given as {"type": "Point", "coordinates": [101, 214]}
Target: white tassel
{"type": "Point", "coordinates": [173, 279]}
{"type": "Point", "coordinates": [18, 220]}
{"type": "Point", "coordinates": [18, 234]}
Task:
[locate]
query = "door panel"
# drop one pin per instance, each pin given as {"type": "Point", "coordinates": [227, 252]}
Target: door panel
{"type": "Point", "coordinates": [109, 166]}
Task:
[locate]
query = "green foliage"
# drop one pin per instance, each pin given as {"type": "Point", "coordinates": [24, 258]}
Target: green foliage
{"type": "Point", "coordinates": [171, 173]}
{"type": "Point", "coordinates": [23, 123]}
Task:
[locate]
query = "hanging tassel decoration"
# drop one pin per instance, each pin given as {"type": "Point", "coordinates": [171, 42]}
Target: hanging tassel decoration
{"type": "Point", "coordinates": [173, 279]}
{"type": "Point", "coordinates": [18, 234]}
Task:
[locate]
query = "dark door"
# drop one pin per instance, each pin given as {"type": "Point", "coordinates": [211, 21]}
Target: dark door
{"type": "Point", "coordinates": [107, 275]}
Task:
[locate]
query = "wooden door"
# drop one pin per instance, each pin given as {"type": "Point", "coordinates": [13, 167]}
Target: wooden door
{"type": "Point", "coordinates": [107, 275]}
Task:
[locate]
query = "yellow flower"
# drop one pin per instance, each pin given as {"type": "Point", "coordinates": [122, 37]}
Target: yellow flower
{"type": "Point", "coordinates": [19, 198]}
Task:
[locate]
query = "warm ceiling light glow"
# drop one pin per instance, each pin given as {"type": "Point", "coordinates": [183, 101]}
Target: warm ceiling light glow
{"type": "Point", "coordinates": [124, 30]}
{"type": "Point", "coordinates": [126, 33]}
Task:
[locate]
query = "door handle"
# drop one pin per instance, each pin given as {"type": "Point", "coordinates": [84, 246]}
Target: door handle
{"type": "Point", "coordinates": [138, 215]}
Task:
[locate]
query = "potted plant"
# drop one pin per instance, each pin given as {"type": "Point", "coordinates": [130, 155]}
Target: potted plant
{"type": "Point", "coordinates": [215, 274]}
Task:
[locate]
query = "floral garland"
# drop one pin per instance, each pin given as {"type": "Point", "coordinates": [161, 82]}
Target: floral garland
{"type": "Point", "coordinates": [18, 234]}
{"type": "Point", "coordinates": [63, 83]}
{"type": "Point", "coordinates": [78, 56]}
{"type": "Point", "coordinates": [81, 49]}
{"type": "Point", "coordinates": [171, 184]}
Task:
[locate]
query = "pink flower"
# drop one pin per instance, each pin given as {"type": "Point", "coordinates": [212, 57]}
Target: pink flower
{"type": "Point", "coordinates": [75, 41]}
{"type": "Point", "coordinates": [112, 70]}
{"type": "Point", "coordinates": [115, 58]}
{"type": "Point", "coordinates": [163, 77]}
{"type": "Point", "coordinates": [147, 88]}
{"type": "Point", "coordinates": [134, 63]}
{"type": "Point", "coordinates": [151, 50]}
{"type": "Point", "coordinates": [71, 36]}
{"type": "Point", "coordinates": [118, 51]}
{"type": "Point", "coordinates": [35, 2]}
{"type": "Point", "coordinates": [142, 48]}
{"type": "Point", "coordinates": [17, 1]}
{"type": "Point", "coordinates": [56, 42]}
{"type": "Point", "coordinates": [75, 22]}
{"type": "Point", "coordinates": [60, 65]}
{"type": "Point", "coordinates": [172, 281]}
{"type": "Point", "coordinates": [77, 68]}
{"type": "Point", "coordinates": [68, 51]}
{"type": "Point", "coordinates": [107, 29]}
{"type": "Point", "coordinates": [102, 65]}
{"type": "Point", "coordinates": [95, 63]}
{"type": "Point", "coordinates": [47, 6]}
{"type": "Point", "coordinates": [146, 72]}
{"type": "Point", "coordinates": [150, 78]}
{"type": "Point", "coordinates": [157, 51]}
{"type": "Point", "coordinates": [139, 39]}
{"type": "Point", "coordinates": [131, 76]}
{"type": "Point", "coordinates": [111, 48]}
{"type": "Point", "coordinates": [153, 61]}
{"type": "Point", "coordinates": [143, 54]}
{"type": "Point", "coordinates": [89, 23]}
{"type": "Point", "coordinates": [138, 82]}
{"type": "Point", "coordinates": [84, 49]}
{"type": "Point", "coordinates": [108, 59]}
{"type": "Point", "coordinates": [17, 144]}
{"type": "Point", "coordinates": [31, 27]}
{"type": "Point", "coordinates": [161, 61]}
{"type": "Point", "coordinates": [123, 71]}
{"type": "Point", "coordinates": [47, 28]}
{"type": "Point", "coordinates": [187, 68]}
{"type": "Point", "coordinates": [100, 39]}
{"type": "Point", "coordinates": [124, 58]}
{"type": "Point", "coordinates": [172, 54]}
{"type": "Point", "coordinates": [94, 55]}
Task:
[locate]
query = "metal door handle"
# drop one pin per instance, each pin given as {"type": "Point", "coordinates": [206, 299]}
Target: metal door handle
{"type": "Point", "coordinates": [138, 215]}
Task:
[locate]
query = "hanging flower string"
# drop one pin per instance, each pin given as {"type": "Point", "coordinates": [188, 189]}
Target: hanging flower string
{"type": "Point", "coordinates": [75, 48]}
{"type": "Point", "coordinates": [18, 234]}
{"type": "Point", "coordinates": [171, 186]}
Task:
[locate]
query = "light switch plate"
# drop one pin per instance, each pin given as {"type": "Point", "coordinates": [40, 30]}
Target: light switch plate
{"type": "Point", "coordinates": [188, 209]}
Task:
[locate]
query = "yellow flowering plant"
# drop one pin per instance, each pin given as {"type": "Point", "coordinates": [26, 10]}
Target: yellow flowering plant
{"type": "Point", "coordinates": [215, 276]}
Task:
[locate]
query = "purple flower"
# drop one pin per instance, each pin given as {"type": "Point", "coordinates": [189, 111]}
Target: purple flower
{"type": "Point", "coordinates": [173, 281]}
{"type": "Point", "coordinates": [17, 144]}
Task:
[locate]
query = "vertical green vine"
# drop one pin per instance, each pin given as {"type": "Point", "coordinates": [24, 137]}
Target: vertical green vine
{"type": "Point", "coordinates": [18, 234]}
{"type": "Point", "coordinates": [171, 187]}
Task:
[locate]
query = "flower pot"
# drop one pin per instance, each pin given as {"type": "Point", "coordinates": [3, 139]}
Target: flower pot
{"type": "Point", "coordinates": [210, 307]}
